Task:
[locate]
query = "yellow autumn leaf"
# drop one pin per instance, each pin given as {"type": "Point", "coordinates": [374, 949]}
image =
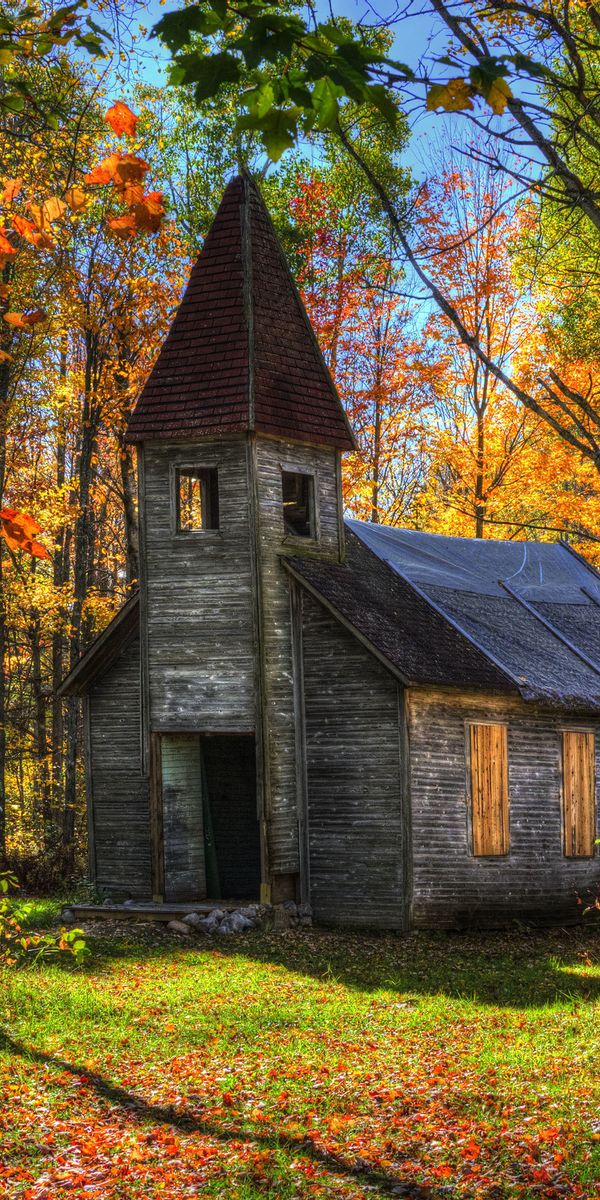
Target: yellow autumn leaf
{"type": "Point", "coordinates": [53, 208]}
{"type": "Point", "coordinates": [76, 198]}
{"type": "Point", "coordinates": [498, 95]}
{"type": "Point", "coordinates": [453, 96]}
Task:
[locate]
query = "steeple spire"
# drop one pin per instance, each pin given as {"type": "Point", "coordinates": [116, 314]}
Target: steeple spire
{"type": "Point", "coordinates": [241, 354]}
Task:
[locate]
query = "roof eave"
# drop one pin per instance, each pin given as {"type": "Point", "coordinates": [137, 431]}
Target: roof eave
{"type": "Point", "coordinates": [104, 650]}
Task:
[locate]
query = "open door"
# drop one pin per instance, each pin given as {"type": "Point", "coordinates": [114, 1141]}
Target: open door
{"type": "Point", "coordinates": [182, 817]}
{"type": "Point", "coordinates": [204, 816]}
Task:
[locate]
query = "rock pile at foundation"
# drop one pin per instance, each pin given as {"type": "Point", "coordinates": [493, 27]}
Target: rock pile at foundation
{"type": "Point", "coordinates": [219, 923]}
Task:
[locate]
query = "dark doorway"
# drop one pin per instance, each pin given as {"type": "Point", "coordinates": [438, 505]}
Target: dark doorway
{"type": "Point", "coordinates": [230, 772]}
{"type": "Point", "coordinates": [210, 832]}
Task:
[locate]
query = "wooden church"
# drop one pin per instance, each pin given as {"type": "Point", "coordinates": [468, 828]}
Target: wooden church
{"type": "Point", "coordinates": [398, 728]}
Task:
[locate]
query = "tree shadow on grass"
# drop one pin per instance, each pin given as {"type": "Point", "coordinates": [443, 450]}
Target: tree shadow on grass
{"type": "Point", "coordinates": [379, 1181]}
{"type": "Point", "coordinates": [513, 969]}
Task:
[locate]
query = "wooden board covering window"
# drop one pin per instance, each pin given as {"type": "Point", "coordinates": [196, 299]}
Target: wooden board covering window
{"type": "Point", "coordinates": [489, 789]}
{"type": "Point", "coordinates": [579, 798]}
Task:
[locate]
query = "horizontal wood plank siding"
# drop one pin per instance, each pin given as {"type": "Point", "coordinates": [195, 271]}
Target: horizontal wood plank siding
{"type": "Point", "coordinates": [272, 457]}
{"type": "Point", "coordinates": [199, 597]}
{"type": "Point", "coordinates": [452, 885]}
{"type": "Point", "coordinates": [355, 822]}
{"type": "Point", "coordinates": [579, 793]}
{"type": "Point", "coordinates": [120, 806]}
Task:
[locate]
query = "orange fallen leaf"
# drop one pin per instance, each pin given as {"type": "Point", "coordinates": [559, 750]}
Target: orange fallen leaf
{"type": "Point", "coordinates": [121, 119]}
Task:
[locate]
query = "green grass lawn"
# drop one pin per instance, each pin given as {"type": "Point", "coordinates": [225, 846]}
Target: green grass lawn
{"type": "Point", "coordinates": [305, 1064]}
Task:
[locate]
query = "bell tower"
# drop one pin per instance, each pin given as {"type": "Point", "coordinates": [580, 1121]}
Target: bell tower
{"type": "Point", "coordinates": [240, 433]}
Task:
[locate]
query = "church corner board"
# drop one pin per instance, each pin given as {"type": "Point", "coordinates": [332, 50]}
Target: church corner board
{"type": "Point", "coordinates": [397, 728]}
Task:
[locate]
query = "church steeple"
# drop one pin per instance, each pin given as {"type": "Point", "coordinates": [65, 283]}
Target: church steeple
{"type": "Point", "coordinates": [241, 355]}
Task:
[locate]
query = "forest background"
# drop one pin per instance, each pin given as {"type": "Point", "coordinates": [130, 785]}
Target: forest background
{"type": "Point", "coordinates": [93, 266]}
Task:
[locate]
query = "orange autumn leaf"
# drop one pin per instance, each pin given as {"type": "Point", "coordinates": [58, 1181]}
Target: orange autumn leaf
{"type": "Point", "coordinates": [122, 227]}
{"type": "Point", "coordinates": [25, 320]}
{"type": "Point", "coordinates": [149, 213]}
{"type": "Point", "coordinates": [76, 198]}
{"type": "Point", "coordinates": [18, 530]}
{"type": "Point", "coordinates": [50, 210]}
{"type": "Point", "coordinates": [6, 250]}
{"type": "Point", "coordinates": [10, 190]}
{"type": "Point", "coordinates": [5, 356]}
{"type": "Point", "coordinates": [29, 231]}
{"type": "Point", "coordinates": [121, 119]}
{"type": "Point", "coordinates": [104, 172]}
{"type": "Point", "coordinates": [132, 193]}
{"type": "Point", "coordinates": [130, 169]}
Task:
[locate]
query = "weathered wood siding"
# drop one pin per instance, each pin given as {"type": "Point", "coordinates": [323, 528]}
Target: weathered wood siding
{"type": "Point", "coordinates": [272, 457]}
{"type": "Point", "coordinates": [450, 884]}
{"type": "Point", "coordinates": [357, 827]}
{"type": "Point", "coordinates": [119, 802]}
{"type": "Point", "coordinates": [198, 598]}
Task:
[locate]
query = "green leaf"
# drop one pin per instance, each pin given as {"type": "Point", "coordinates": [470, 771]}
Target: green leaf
{"type": "Point", "coordinates": [522, 62]}
{"type": "Point", "coordinates": [260, 100]}
{"type": "Point", "coordinates": [383, 101]}
{"type": "Point", "coordinates": [207, 71]}
{"type": "Point", "coordinates": [12, 102]}
{"type": "Point", "coordinates": [402, 67]}
{"type": "Point", "coordinates": [325, 101]}
{"type": "Point", "coordinates": [175, 29]}
{"type": "Point", "coordinates": [279, 130]}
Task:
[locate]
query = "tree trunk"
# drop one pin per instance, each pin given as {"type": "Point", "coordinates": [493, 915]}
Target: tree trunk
{"type": "Point", "coordinates": [60, 578]}
{"type": "Point", "coordinates": [42, 784]}
{"type": "Point", "coordinates": [84, 533]}
{"type": "Point", "coordinates": [132, 540]}
{"type": "Point", "coordinates": [4, 402]}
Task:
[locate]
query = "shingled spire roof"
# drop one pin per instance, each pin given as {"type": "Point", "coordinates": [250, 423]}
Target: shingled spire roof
{"type": "Point", "coordinates": [241, 354]}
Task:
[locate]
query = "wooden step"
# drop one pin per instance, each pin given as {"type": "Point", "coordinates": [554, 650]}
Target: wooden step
{"type": "Point", "coordinates": [149, 910]}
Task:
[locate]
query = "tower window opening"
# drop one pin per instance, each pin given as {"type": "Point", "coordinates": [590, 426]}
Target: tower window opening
{"type": "Point", "coordinates": [298, 504]}
{"type": "Point", "coordinates": [197, 499]}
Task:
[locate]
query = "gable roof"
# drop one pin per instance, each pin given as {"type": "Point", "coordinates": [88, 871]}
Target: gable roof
{"type": "Point", "coordinates": [397, 623]}
{"type": "Point", "coordinates": [241, 354]}
{"type": "Point", "coordinates": [533, 608]}
{"type": "Point", "coordinates": [104, 650]}
{"type": "Point", "coordinates": [515, 617]}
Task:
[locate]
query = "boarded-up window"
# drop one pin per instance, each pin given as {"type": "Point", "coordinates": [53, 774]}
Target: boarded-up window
{"type": "Point", "coordinates": [489, 789]}
{"type": "Point", "coordinates": [579, 793]}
